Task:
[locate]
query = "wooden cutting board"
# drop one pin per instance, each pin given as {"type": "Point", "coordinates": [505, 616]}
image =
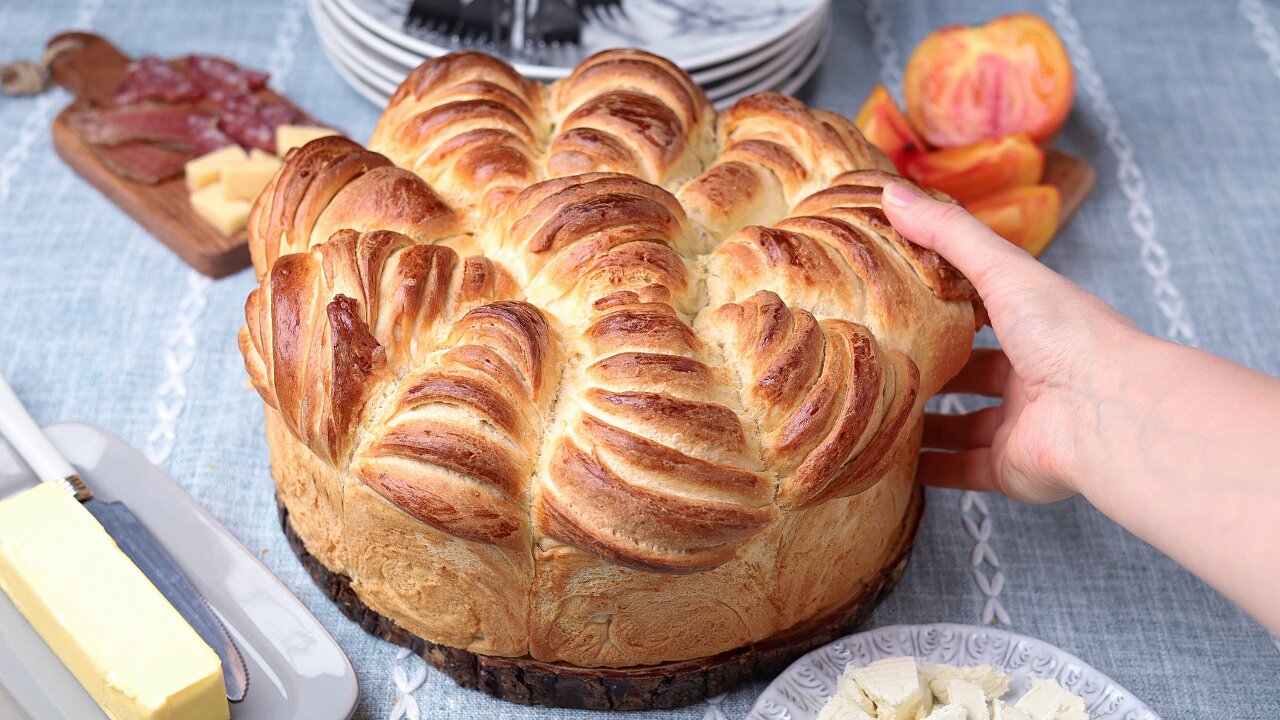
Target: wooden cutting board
{"type": "Point", "coordinates": [92, 72]}
{"type": "Point", "coordinates": [1074, 179]}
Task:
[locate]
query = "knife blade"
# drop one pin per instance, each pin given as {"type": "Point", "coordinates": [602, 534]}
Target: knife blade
{"type": "Point", "coordinates": [139, 546]}
{"type": "Point", "coordinates": [130, 535]}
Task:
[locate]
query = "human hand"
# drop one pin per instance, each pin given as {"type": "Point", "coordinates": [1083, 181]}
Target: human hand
{"type": "Point", "coordinates": [1053, 373]}
{"type": "Point", "coordinates": [1173, 443]}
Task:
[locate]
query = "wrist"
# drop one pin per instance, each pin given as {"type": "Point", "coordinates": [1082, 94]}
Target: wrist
{"type": "Point", "coordinates": [1115, 411]}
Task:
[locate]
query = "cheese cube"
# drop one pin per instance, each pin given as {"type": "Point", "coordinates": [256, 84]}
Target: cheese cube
{"type": "Point", "coordinates": [839, 707]}
{"type": "Point", "coordinates": [228, 216]}
{"type": "Point", "coordinates": [133, 653]}
{"type": "Point", "coordinates": [292, 136]}
{"type": "Point", "coordinates": [994, 683]}
{"type": "Point", "coordinates": [948, 712]}
{"type": "Point", "coordinates": [968, 696]}
{"type": "Point", "coordinates": [207, 169]}
{"type": "Point", "coordinates": [245, 180]}
{"type": "Point", "coordinates": [894, 685]}
{"type": "Point", "coordinates": [848, 688]}
{"type": "Point", "coordinates": [1047, 700]}
{"type": "Point", "coordinates": [1001, 711]}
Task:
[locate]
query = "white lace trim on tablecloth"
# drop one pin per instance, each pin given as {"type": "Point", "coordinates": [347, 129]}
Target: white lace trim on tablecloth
{"type": "Point", "coordinates": [885, 46]}
{"type": "Point", "coordinates": [406, 706]}
{"type": "Point", "coordinates": [1263, 32]}
{"type": "Point", "coordinates": [1132, 180]}
{"type": "Point", "coordinates": [179, 356]}
{"type": "Point", "coordinates": [714, 711]}
{"type": "Point", "coordinates": [975, 516]}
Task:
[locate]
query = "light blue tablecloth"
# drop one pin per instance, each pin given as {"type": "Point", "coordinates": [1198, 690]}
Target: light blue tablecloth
{"type": "Point", "coordinates": [1177, 105]}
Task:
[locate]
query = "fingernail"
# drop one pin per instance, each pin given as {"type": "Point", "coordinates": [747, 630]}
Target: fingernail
{"type": "Point", "coordinates": [899, 195]}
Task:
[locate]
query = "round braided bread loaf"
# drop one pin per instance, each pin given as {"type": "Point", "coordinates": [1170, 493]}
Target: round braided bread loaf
{"type": "Point", "coordinates": [587, 373]}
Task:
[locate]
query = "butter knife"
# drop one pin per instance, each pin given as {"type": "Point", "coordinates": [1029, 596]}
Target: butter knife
{"type": "Point", "coordinates": [133, 539]}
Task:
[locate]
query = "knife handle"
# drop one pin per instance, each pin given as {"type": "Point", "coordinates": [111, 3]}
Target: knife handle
{"type": "Point", "coordinates": [26, 437]}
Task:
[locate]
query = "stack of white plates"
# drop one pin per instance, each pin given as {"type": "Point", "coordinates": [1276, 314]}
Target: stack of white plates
{"type": "Point", "coordinates": [732, 48]}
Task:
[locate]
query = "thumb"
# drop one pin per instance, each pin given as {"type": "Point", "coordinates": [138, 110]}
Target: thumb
{"type": "Point", "coordinates": [949, 230]}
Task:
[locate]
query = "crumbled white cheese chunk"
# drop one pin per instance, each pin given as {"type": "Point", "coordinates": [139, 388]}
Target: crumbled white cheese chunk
{"type": "Point", "coordinates": [840, 707]}
{"type": "Point", "coordinates": [1002, 711]}
{"type": "Point", "coordinates": [899, 688]}
{"type": "Point", "coordinates": [994, 683]}
{"type": "Point", "coordinates": [895, 686]}
{"type": "Point", "coordinates": [948, 712]}
{"type": "Point", "coordinates": [967, 695]}
{"type": "Point", "coordinates": [849, 689]}
{"type": "Point", "coordinates": [1047, 700]}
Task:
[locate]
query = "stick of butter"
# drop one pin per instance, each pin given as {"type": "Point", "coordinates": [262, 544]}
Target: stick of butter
{"type": "Point", "coordinates": [134, 654]}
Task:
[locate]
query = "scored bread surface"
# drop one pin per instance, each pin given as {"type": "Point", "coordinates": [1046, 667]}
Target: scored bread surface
{"type": "Point", "coordinates": [589, 373]}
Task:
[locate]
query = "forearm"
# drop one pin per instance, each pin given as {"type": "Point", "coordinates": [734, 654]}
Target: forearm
{"type": "Point", "coordinates": [1186, 455]}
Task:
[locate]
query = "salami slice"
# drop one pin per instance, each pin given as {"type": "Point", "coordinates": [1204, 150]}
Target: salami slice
{"type": "Point", "coordinates": [221, 79]}
{"type": "Point", "coordinates": [252, 121]}
{"type": "Point", "coordinates": [205, 135]}
{"type": "Point", "coordinates": [151, 78]}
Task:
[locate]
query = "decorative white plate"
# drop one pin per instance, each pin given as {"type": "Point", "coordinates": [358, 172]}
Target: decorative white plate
{"type": "Point", "coordinates": [376, 81]}
{"type": "Point", "coordinates": [771, 72]}
{"type": "Point", "coordinates": [327, 22]}
{"type": "Point", "coordinates": [346, 52]}
{"type": "Point", "coordinates": [801, 690]}
{"type": "Point", "coordinates": [378, 97]}
{"type": "Point", "coordinates": [366, 48]}
{"type": "Point", "coordinates": [693, 36]}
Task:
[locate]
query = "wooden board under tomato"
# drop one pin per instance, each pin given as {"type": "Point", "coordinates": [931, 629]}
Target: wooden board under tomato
{"type": "Point", "coordinates": [1074, 179]}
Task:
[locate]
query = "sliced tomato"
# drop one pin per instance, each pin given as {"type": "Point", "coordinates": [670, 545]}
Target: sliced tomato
{"type": "Point", "coordinates": [973, 171]}
{"type": "Point", "coordinates": [1025, 216]}
{"type": "Point", "coordinates": [881, 121]}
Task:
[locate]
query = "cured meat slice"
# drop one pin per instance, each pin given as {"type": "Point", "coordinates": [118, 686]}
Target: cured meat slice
{"type": "Point", "coordinates": [157, 122]}
{"type": "Point", "coordinates": [143, 161]}
{"type": "Point", "coordinates": [221, 79]}
{"type": "Point", "coordinates": [252, 121]}
{"type": "Point", "coordinates": [165, 111]}
{"type": "Point", "coordinates": [151, 78]}
{"type": "Point", "coordinates": [205, 135]}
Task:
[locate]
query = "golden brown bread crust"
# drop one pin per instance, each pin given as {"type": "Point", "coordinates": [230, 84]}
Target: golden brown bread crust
{"type": "Point", "coordinates": [577, 607]}
{"type": "Point", "coordinates": [469, 125]}
{"type": "Point", "coordinates": [333, 184]}
{"type": "Point", "coordinates": [681, 370]}
{"type": "Point", "coordinates": [456, 447]}
{"type": "Point", "coordinates": [650, 466]}
{"type": "Point", "coordinates": [830, 405]}
{"type": "Point", "coordinates": [630, 112]}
